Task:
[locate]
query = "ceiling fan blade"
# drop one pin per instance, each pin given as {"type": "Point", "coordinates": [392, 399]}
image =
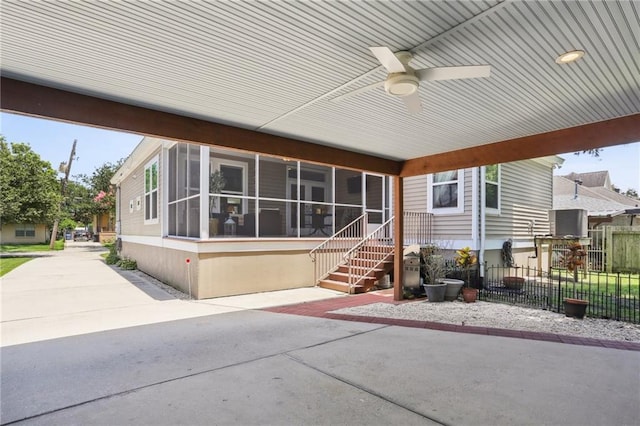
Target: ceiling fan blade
{"type": "Point", "coordinates": [453, 73]}
{"type": "Point", "coordinates": [388, 59]}
{"type": "Point", "coordinates": [413, 103]}
{"type": "Point", "coordinates": [357, 91]}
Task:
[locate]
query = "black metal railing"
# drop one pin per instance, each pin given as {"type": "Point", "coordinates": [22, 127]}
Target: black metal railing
{"type": "Point", "coordinates": [611, 296]}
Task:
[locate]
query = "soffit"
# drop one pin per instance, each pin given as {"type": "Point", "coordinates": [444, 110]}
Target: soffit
{"type": "Point", "coordinates": [275, 66]}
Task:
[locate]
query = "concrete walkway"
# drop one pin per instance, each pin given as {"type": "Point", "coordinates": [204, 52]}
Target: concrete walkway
{"type": "Point", "coordinates": [116, 353]}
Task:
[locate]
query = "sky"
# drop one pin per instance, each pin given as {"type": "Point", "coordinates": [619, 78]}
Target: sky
{"type": "Point", "coordinates": [52, 140]}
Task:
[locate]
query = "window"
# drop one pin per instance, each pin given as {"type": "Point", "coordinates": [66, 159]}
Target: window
{"type": "Point", "coordinates": [492, 187]}
{"type": "Point", "coordinates": [151, 192]}
{"type": "Point", "coordinates": [446, 192]}
{"type": "Point", "coordinates": [235, 175]}
{"type": "Point", "coordinates": [25, 231]}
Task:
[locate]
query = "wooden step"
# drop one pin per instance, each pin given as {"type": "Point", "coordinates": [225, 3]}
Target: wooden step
{"type": "Point", "coordinates": [343, 277]}
{"type": "Point", "coordinates": [359, 269]}
{"type": "Point", "coordinates": [340, 286]}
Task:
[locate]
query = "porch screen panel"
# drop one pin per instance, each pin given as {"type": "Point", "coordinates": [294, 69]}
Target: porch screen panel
{"type": "Point", "coordinates": [184, 190]}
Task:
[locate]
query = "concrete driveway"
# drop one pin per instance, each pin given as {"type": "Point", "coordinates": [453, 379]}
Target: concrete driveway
{"type": "Point", "coordinates": [133, 355]}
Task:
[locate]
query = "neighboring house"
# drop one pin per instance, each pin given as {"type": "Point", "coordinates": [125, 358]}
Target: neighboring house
{"type": "Point", "coordinates": [249, 230]}
{"type": "Point", "coordinates": [486, 207]}
{"type": "Point", "coordinates": [104, 227]}
{"type": "Point", "coordinates": [613, 219]}
{"type": "Point", "coordinates": [593, 193]}
{"type": "Point", "coordinates": [11, 233]}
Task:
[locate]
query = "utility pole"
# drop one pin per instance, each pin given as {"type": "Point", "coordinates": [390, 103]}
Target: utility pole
{"type": "Point", "coordinates": [66, 167]}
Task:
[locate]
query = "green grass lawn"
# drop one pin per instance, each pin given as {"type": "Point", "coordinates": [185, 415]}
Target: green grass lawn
{"type": "Point", "coordinates": [24, 248]}
{"type": "Point", "coordinates": [608, 283]}
{"type": "Point", "coordinates": [10, 263]}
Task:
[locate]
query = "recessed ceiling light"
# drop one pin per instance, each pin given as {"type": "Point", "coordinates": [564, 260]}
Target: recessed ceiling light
{"type": "Point", "coordinates": [571, 56]}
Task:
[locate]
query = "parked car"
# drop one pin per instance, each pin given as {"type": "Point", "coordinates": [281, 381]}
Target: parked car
{"type": "Point", "coordinates": [81, 236]}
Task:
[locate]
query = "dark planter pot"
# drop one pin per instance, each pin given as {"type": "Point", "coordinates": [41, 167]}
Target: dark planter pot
{"type": "Point", "coordinates": [469, 295]}
{"type": "Point", "coordinates": [575, 308]}
{"type": "Point", "coordinates": [435, 292]}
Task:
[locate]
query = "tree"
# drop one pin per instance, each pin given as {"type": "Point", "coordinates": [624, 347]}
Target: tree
{"type": "Point", "coordinates": [78, 204]}
{"type": "Point", "coordinates": [99, 184]}
{"type": "Point", "coordinates": [29, 186]}
{"type": "Point", "coordinates": [632, 193]}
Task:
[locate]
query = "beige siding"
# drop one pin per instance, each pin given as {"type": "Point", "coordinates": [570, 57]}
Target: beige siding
{"type": "Point", "coordinates": [8, 235]}
{"type": "Point", "coordinates": [453, 227]}
{"type": "Point", "coordinates": [132, 223]}
{"type": "Point", "coordinates": [415, 193]}
{"type": "Point", "coordinates": [526, 197]}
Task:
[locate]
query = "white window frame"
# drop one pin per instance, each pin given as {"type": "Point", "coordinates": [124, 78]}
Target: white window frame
{"type": "Point", "coordinates": [215, 166]}
{"type": "Point", "coordinates": [151, 220]}
{"type": "Point", "coordinates": [446, 210]}
{"type": "Point", "coordinates": [492, 210]}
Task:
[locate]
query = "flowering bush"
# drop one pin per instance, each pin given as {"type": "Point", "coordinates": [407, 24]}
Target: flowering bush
{"type": "Point", "coordinates": [105, 201]}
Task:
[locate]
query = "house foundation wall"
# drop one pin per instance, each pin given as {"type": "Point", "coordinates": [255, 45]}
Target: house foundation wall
{"type": "Point", "coordinates": [227, 274]}
{"type": "Point", "coordinates": [223, 274]}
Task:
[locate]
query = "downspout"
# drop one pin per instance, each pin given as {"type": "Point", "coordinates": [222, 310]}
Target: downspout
{"type": "Point", "coordinates": [483, 223]}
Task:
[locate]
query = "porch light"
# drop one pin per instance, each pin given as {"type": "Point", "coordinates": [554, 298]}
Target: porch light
{"type": "Point", "coordinates": [570, 56]}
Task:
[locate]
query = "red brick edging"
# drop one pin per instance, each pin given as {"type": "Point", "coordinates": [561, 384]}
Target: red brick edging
{"type": "Point", "coordinates": [323, 308]}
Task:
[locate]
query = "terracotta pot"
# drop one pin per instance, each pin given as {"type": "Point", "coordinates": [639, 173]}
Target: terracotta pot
{"type": "Point", "coordinates": [575, 307]}
{"type": "Point", "coordinates": [515, 283]}
{"type": "Point", "coordinates": [469, 295]}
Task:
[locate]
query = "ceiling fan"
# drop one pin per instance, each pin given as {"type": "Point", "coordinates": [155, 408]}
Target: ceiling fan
{"type": "Point", "coordinates": [403, 81]}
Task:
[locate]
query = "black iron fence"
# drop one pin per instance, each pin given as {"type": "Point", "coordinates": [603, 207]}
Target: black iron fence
{"type": "Point", "coordinates": [610, 296]}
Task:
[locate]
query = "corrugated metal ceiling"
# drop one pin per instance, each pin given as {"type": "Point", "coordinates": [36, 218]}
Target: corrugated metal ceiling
{"type": "Point", "coordinates": [275, 66]}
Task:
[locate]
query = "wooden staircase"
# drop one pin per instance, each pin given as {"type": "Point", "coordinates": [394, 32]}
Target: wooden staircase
{"type": "Point", "coordinates": [363, 268]}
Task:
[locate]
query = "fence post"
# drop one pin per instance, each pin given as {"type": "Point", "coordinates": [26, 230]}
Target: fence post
{"type": "Point", "coordinates": [559, 291]}
{"type": "Point", "coordinates": [618, 297]}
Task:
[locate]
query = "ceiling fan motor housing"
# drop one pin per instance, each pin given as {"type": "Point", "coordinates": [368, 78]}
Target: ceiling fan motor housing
{"type": "Point", "coordinates": [401, 84]}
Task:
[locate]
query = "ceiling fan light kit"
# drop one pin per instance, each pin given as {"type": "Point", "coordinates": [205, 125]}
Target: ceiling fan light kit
{"type": "Point", "coordinates": [403, 81]}
{"type": "Point", "coordinates": [401, 84]}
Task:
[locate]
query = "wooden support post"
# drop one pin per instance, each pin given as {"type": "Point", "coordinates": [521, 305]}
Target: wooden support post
{"type": "Point", "coordinates": [398, 237]}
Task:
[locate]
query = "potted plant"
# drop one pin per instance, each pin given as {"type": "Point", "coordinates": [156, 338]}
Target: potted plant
{"type": "Point", "coordinates": [433, 269]}
{"type": "Point", "coordinates": [465, 259]}
{"type": "Point", "coordinates": [573, 259]}
{"type": "Point", "coordinates": [217, 183]}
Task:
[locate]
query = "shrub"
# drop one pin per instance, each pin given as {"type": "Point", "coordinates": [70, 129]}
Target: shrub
{"type": "Point", "coordinates": [127, 263]}
{"type": "Point", "coordinates": [112, 258]}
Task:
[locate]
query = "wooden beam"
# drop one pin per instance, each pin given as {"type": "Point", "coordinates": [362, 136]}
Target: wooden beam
{"type": "Point", "coordinates": [589, 136]}
{"type": "Point", "coordinates": [398, 238]}
{"type": "Point", "coordinates": [45, 102]}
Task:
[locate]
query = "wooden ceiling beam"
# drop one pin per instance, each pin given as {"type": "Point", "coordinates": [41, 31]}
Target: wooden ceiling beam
{"type": "Point", "coordinates": [616, 131]}
{"type": "Point", "coordinates": [45, 102]}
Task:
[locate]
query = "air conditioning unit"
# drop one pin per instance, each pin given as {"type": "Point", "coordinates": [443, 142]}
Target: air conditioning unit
{"type": "Point", "coordinates": [566, 223]}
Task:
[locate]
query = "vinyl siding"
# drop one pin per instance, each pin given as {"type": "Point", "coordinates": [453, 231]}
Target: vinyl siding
{"type": "Point", "coordinates": [526, 189]}
{"type": "Point", "coordinates": [415, 193]}
{"type": "Point", "coordinates": [132, 223]}
{"type": "Point", "coordinates": [526, 197]}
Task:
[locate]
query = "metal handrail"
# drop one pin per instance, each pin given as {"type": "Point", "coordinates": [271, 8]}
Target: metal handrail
{"type": "Point", "coordinates": [329, 254]}
{"type": "Point", "coordinates": [342, 247]}
{"type": "Point", "coordinates": [369, 253]}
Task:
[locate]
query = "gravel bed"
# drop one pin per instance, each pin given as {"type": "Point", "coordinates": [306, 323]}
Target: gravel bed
{"type": "Point", "coordinates": [496, 315]}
